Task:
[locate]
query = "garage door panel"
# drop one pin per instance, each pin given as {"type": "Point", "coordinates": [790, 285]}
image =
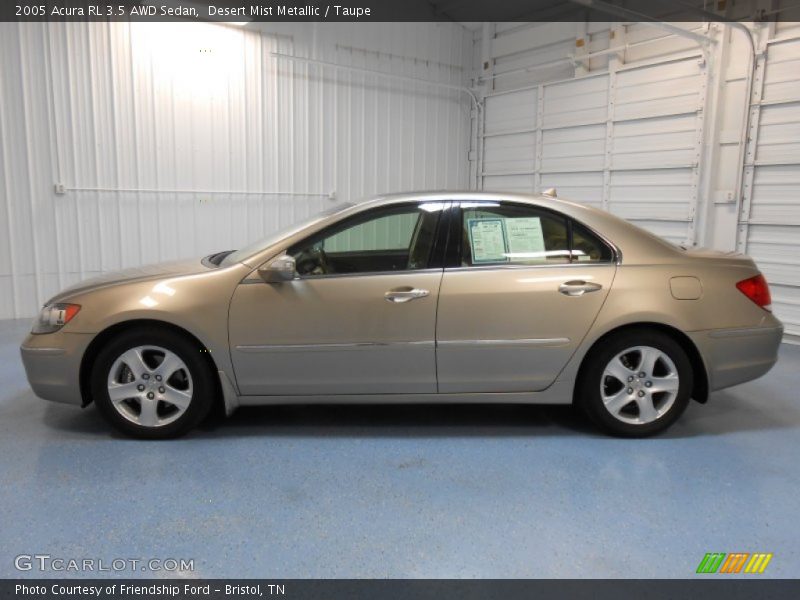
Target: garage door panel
{"type": "Point", "coordinates": [573, 149]}
{"type": "Point", "coordinates": [776, 196]}
{"type": "Point", "coordinates": [666, 89]}
{"type": "Point", "coordinates": [659, 142]}
{"type": "Point", "coordinates": [631, 147]}
{"type": "Point", "coordinates": [578, 102]}
{"type": "Point", "coordinates": [668, 185]}
{"type": "Point", "coordinates": [509, 152]}
{"type": "Point", "coordinates": [668, 71]}
{"type": "Point", "coordinates": [779, 274]}
{"type": "Point", "coordinates": [780, 75]}
{"type": "Point", "coordinates": [586, 188]}
{"type": "Point", "coordinates": [590, 86]}
{"type": "Point", "coordinates": [679, 104]}
{"type": "Point", "coordinates": [647, 210]}
{"type": "Point", "coordinates": [509, 183]}
{"type": "Point", "coordinates": [779, 134]}
{"type": "Point", "coordinates": [786, 307]}
{"type": "Point", "coordinates": [511, 111]}
{"type": "Point", "coordinates": [659, 194]}
{"type": "Point", "coordinates": [648, 158]}
{"type": "Point", "coordinates": [775, 250]}
{"type": "Point", "coordinates": [673, 231]}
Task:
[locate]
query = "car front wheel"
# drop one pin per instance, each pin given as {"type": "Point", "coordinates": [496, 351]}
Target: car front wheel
{"type": "Point", "coordinates": [152, 383]}
{"type": "Point", "coordinates": [636, 383]}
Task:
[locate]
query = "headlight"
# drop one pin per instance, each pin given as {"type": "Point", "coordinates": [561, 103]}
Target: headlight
{"type": "Point", "coordinates": [54, 316]}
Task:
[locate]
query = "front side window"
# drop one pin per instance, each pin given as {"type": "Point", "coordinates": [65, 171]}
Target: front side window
{"type": "Point", "coordinates": [385, 239]}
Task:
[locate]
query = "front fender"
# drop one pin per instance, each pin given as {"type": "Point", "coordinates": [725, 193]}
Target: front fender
{"type": "Point", "coordinates": [196, 303]}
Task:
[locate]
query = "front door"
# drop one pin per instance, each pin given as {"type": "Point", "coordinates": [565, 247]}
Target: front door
{"type": "Point", "coordinates": [359, 318]}
{"type": "Point", "coordinates": [528, 284]}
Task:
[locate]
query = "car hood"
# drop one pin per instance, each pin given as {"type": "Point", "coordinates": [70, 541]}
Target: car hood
{"type": "Point", "coordinates": [143, 273]}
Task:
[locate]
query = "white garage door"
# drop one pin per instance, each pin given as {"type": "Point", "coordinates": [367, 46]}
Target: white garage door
{"type": "Point", "coordinates": [628, 141]}
{"type": "Point", "coordinates": [770, 217]}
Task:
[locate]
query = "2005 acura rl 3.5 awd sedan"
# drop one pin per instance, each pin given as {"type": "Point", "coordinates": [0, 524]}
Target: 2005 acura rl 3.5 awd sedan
{"type": "Point", "coordinates": [425, 297]}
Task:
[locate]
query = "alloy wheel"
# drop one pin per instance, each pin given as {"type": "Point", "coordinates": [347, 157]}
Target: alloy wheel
{"type": "Point", "coordinates": [150, 386]}
{"type": "Point", "coordinates": [639, 385]}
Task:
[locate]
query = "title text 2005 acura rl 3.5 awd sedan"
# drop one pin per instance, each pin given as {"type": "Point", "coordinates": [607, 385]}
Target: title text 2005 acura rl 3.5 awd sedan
{"type": "Point", "coordinates": [426, 297]}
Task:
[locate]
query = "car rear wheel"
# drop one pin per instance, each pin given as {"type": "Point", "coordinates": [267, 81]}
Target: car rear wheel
{"type": "Point", "coordinates": [636, 383]}
{"type": "Point", "coordinates": [152, 383]}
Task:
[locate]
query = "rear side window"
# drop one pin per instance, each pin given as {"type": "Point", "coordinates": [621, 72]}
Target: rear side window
{"type": "Point", "coordinates": [495, 234]}
{"type": "Point", "coordinates": [512, 234]}
{"type": "Point", "coordinates": [587, 247]}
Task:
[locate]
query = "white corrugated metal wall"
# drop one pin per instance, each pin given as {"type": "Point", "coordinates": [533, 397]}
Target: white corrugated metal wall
{"type": "Point", "coordinates": [178, 140]}
{"type": "Point", "coordinates": [635, 130]}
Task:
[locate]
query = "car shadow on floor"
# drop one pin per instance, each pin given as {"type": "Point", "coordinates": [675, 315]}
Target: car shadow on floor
{"type": "Point", "coordinates": [726, 413]}
{"type": "Point", "coordinates": [398, 420]}
{"type": "Point", "coordinates": [417, 420]}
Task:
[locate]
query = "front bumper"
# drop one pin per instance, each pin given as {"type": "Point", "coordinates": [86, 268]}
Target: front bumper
{"type": "Point", "coordinates": [734, 356]}
{"type": "Point", "coordinates": [52, 363]}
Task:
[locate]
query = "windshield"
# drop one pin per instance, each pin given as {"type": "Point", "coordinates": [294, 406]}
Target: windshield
{"type": "Point", "coordinates": [242, 254]}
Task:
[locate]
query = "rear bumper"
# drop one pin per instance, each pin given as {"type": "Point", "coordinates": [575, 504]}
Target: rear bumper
{"type": "Point", "coordinates": [52, 364]}
{"type": "Point", "coordinates": [734, 356]}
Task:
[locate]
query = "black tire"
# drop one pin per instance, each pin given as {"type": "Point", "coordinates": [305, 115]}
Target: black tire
{"type": "Point", "coordinates": [202, 378]}
{"type": "Point", "coordinates": [588, 389]}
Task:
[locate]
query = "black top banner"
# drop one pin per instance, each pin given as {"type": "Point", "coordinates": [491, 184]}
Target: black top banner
{"type": "Point", "coordinates": [239, 11]}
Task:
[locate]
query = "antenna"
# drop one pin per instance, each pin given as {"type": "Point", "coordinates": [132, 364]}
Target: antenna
{"type": "Point", "coordinates": [551, 192]}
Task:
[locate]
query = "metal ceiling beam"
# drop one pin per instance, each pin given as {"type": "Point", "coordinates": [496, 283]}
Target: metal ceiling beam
{"type": "Point", "coordinates": [632, 15]}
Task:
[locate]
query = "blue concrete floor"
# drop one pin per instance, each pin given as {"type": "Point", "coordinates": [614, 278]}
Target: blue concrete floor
{"type": "Point", "coordinates": [406, 491]}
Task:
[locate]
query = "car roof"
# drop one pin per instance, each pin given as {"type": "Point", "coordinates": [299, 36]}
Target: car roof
{"type": "Point", "coordinates": [553, 202]}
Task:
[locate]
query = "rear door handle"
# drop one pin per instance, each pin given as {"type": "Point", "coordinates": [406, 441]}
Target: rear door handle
{"type": "Point", "coordinates": [404, 294]}
{"type": "Point", "coordinates": [578, 287]}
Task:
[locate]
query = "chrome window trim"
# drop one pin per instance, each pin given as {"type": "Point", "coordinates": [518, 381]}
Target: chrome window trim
{"type": "Point", "coordinates": [520, 266]}
{"type": "Point", "coordinates": [364, 274]}
{"type": "Point", "coordinates": [255, 279]}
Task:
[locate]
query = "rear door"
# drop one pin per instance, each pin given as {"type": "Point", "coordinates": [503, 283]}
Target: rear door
{"type": "Point", "coordinates": [523, 286]}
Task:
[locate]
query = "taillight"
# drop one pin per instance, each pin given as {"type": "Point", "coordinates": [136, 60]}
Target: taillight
{"type": "Point", "coordinates": [757, 290]}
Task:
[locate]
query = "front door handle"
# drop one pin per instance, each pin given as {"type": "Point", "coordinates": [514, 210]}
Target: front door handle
{"type": "Point", "coordinates": [404, 294]}
{"type": "Point", "coordinates": [578, 287]}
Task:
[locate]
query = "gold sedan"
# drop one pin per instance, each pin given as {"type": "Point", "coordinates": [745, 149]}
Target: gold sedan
{"type": "Point", "coordinates": [424, 297]}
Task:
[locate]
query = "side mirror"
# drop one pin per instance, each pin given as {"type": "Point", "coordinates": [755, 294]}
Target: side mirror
{"type": "Point", "coordinates": [278, 270]}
